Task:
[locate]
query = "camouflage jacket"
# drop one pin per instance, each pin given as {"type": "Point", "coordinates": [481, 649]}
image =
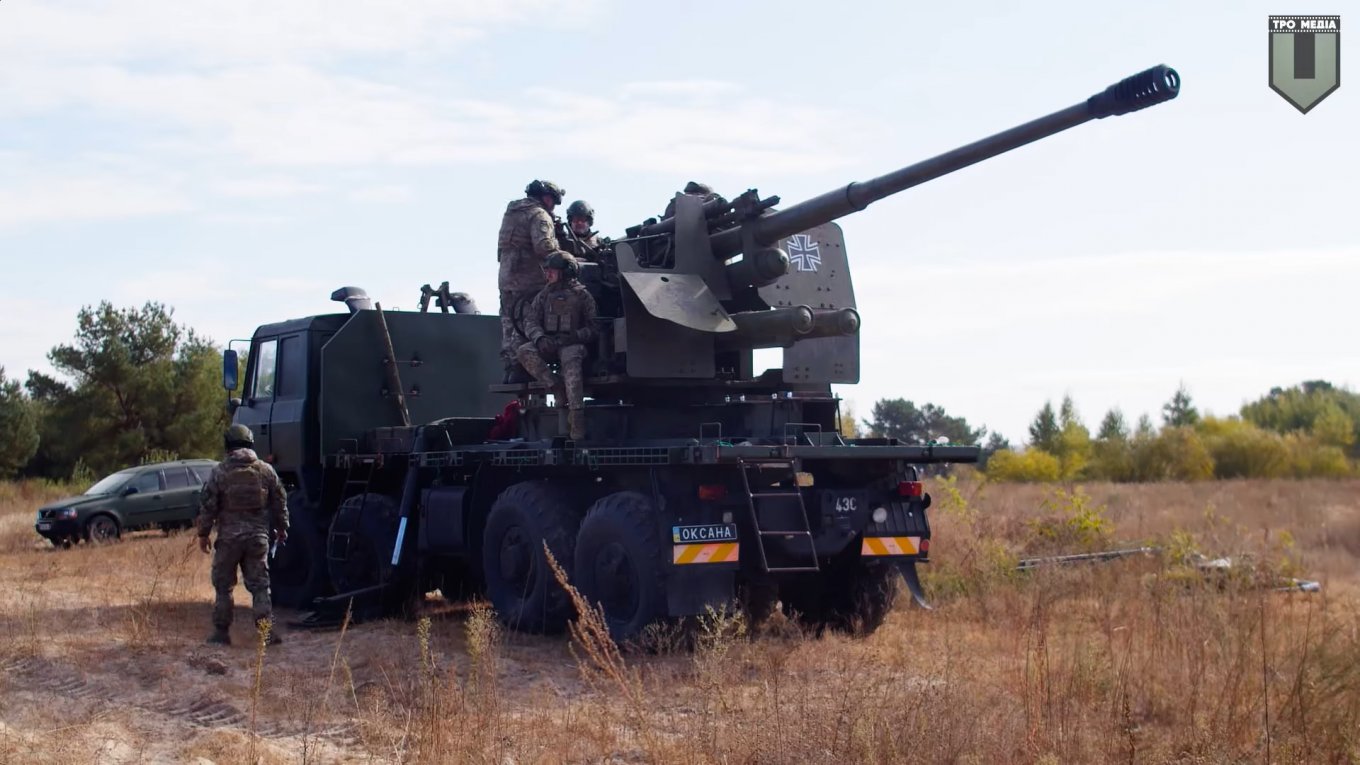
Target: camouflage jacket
{"type": "Point", "coordinates": [526, 240]}
{"type": "Point", "coordinates": [564, 311]}
{"type": "Point", "coordinates": [243, 497]}
{"type": "Point", "coordinates": [582, 247]}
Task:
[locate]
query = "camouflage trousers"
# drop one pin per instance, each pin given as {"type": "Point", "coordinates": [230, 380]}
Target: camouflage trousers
{"type": "Point", "coordinates": [514, 303]}
{"type": "Point", "coordinates": [251, 555]}
{"type": "Point", "coordinates": [571, 359]}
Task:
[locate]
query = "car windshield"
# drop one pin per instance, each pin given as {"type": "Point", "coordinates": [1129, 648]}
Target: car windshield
{"type": "Point", "coordinates": [110, 484]}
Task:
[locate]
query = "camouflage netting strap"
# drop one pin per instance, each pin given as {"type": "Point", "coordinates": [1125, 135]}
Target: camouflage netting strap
{"type": "Point", "coordinates": [245, 489]}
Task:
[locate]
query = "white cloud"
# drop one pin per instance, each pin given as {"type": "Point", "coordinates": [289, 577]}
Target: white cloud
{"type": "Point", "coordinates": [266, 187]}
{"type": "Point", "coordinates": [384, 194]}
{"type": "Point", "coordinates": [207, 33]}
{"type": "Point", "coordinates": [84, 199]}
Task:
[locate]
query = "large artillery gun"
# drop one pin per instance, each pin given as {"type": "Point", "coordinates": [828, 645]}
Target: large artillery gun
{"type": "Point", "coordinates": [701, 482]}
{"type": "Point", "coordinates": [694, 294]}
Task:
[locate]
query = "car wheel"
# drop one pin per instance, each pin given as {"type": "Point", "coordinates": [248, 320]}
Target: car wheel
{"type": "Point", "coordinates": [101, 529]}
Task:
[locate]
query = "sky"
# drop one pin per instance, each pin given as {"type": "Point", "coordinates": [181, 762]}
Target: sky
{"type": "Point", "coordinates": [239, 161]}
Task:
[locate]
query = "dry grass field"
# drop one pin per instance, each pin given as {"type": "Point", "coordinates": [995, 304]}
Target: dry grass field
{"type": "Point", "coordinates": [1142, 660]}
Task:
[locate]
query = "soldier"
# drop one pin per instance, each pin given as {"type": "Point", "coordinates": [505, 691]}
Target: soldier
{"type": "Point", "coordinates": [244, 499]}
{"type": "Point", "coordinates": [692, 189]}
{"type": "Point", "coordinates": [559, 323]}
{"type": "Point", "coordinates": [525, 243]}
{"type": "Point", "coordinates": [576, 237]}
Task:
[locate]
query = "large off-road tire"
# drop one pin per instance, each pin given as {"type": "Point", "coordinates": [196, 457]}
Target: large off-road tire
{"type": "Point", "coordinates": [851, 596]}
{"type": "Point", "coordinates": [297, 573]}
{"type": "Point", "coordinates": [102, 528]}
{"type": "Point", "coordinates": [362, 535]}
{"type": "Point", "coordinates": [519, 583]}
{"type": "Point", "coordinates": [621, 563]}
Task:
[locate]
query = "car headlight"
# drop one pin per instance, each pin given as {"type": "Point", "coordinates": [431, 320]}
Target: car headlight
{"type": "Point", "coordinates": [66, 513]}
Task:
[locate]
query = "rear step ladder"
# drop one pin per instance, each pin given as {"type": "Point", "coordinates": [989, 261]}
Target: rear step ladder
{"type": "Point", "coordinates": [342, 539]}
{"type": "Point", "coordinates": [767, 496]}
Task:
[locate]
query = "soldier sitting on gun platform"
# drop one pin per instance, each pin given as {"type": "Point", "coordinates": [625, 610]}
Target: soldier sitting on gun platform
{"type": "Point", "coordinates": [576, 236]}
{"type": "Point", "coordinates": [559, 323]}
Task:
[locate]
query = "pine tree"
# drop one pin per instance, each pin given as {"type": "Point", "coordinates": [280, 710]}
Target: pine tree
{"type": "Point", "coordinates": [1044, 431]}
{"type": "Point", "coordinates": [1180, 410]}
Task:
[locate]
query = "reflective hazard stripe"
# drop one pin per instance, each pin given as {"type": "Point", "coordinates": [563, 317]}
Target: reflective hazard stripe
{"type": "Point", "coordinates": [890, 546]}
{"type": "Point", "coordinates": [722, 552]}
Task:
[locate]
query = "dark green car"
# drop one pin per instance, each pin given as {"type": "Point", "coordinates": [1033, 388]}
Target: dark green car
{"type": "Point", "coordinates": [161, 495]}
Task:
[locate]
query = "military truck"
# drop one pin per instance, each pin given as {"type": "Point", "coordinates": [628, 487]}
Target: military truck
{"type": "Point", "coordinates": [702, 482]}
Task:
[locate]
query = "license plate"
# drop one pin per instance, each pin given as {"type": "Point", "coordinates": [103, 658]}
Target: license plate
{"type": "Point", "coordinates": [843, 505]}
{"type": "Point", "coordinates": [44, 526]}
{"type": "Point", "coordinates": [712, 532]}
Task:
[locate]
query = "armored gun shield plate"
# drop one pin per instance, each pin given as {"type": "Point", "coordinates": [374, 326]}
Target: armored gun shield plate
{"type": "Point", "coordinates": [818, 277]}
{"type": "Point", "coordinates": [680, 298]}
{"type": "Point", "coordinates": [819, 272]}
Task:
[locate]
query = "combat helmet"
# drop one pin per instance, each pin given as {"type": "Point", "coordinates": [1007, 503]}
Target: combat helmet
{"type": "Point", "coordinates": [565, 263]}
{"type": "Point", "coordinates": [581, 209]}
{"type": "Point", "coordinates": [538, 189]}
{"type": "Point", "coordinates": [239, 436]}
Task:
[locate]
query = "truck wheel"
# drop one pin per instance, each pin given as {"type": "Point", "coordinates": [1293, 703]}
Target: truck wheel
{"type": "Point", "coordinates": [297, 574]}
{"type": "Point", "coordinates": [853, 598]}
{"type": "Point", "coordinates": [101, 529]}
{"type": "Point", "coordinates": [620, 563]}
{"type": "Point", "coordinates": [518, 581]}
{"type": "Point", "coordinates": [362, 535]}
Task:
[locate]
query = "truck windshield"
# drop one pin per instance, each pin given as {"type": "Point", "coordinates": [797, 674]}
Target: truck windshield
{"type": "Point", "coordinates": [110, 484]}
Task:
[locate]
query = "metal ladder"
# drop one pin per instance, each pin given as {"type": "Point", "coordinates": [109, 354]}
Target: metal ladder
{"type": "Point", "coordinates": [351, 482]}
{"type": "Point", "coordinates": [766, 496]}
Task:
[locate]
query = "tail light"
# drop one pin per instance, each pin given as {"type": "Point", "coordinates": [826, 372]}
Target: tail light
{"type": "Point", "coordinates": [910, 488]}
{"type": "Point", "coordinates": [712, 492]}
{"type": "Point", "coordinates": [925, 546]}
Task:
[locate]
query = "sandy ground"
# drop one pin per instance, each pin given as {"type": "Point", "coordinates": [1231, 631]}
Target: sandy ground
{"type": "Point", "coordinates": [102, 657]}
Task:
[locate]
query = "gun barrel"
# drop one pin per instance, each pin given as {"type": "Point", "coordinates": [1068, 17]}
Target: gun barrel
{"type": "Point", "coordinates": [782, 327]}
{"type": "Point", "coordinates": [1147, 88]}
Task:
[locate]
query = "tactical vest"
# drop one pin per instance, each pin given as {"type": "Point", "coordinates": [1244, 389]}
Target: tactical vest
{"type": "Point", "coordinates": [244, 489]}
{"type": "Point", "coordinates": [559, 314]}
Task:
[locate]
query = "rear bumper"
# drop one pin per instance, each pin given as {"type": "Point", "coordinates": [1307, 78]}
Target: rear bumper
{"type": "Point", "coordinates": [894, 547]}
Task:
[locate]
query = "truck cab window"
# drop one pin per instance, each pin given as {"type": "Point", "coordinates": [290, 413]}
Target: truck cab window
{"type": "Point", "coordinates": [265, 356]}
{"type": "Point", "coordinates": [291, 382]}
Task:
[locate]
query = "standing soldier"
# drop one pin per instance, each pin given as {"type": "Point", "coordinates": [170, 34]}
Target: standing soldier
{"type": "Point", "coordinates": [559, 323]}
{"type": "Point", "coordinates": [525, 243]}
{"type": "Point", "coordinates": [576, 236]}
{"type": "Point", "coordinates": [244, 499]}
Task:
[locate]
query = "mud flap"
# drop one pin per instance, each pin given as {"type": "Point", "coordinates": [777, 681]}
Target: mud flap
{"type": "Point", "coordinates": [913, 580]}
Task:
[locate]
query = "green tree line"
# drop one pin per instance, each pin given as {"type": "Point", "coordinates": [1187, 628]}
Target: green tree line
{"type": "Point", "coordinates": [1306, 431]}
{"type": "Point", "coordinates": [131, 384]}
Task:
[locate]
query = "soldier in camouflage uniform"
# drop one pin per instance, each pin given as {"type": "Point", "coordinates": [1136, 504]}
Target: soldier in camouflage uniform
{"type": "Point", "coordinates": [526, 241]}
{"type": "Point", "coordinates": [576, 236]}
{"type": "Point", "coordinates": [244, 499]}
{"type": "Point", "coordinates": [559, 323]}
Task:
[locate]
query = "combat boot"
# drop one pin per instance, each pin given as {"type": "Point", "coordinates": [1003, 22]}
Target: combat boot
{"type": "Point", "coordinates": [515, 374]}
{"type": "Point", "coordinates": [576, 424]}
{"type": "Point", "coordinates": [219, 636]}
{"type": "Point", "coordinates": [274, 638]}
